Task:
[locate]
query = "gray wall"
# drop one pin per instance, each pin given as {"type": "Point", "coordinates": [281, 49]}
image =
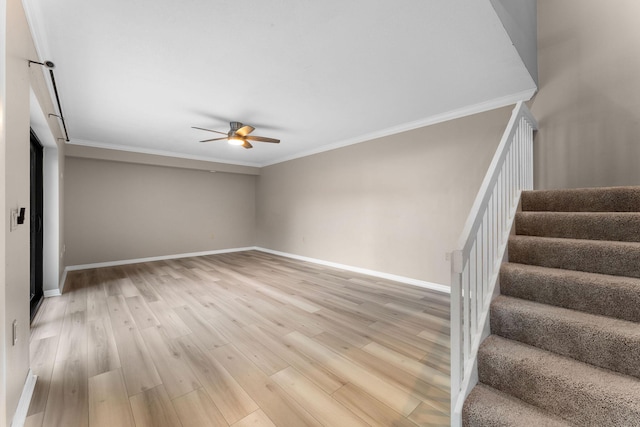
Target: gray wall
{"type": "Point", "coordinates": [3, 217]}
{"type": "Point", "coordinates": [519, 20]}
{"type": "Point", "coordinates": [16, 78]}
{"type": "Point", "coordinates": [119, 211]}
{"type": "Point", "coordinates": [16, 146]}
{"type": "Point", "coordinates": [394, 204]}
{"type": "Point", "coordinates": [588, 105]}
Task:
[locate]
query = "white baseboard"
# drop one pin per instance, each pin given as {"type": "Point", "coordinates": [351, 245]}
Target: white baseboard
{"type": "Point", "coordinates": [63, 281]}
{"type": "Point", "coordinates": [151, 259]}
{"type": "Point", "coordinates": [57, 292]}
{"type": "Point", "coordinates": [20, 415]}
{"type": "Point", "coordinates": [407, 280]}
{"type": "Point", "coordinates": [402, 279]}
{"type": "Point", "coordinates": [52, 293]}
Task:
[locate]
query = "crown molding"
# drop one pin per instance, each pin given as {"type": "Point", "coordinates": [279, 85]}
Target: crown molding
{"type": "Point", "coordinates": [431, 120]}
{"type": "Point", "coordinates": [131, 149]}
{"type": "Point", "coordinates": [439, 118]}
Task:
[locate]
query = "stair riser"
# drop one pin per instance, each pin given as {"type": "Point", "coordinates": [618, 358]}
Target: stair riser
{"type": "Point", "coordinates": [486, 406]}
{"type": "Point", "coordinates": [621, 227]}
{"type": "Point", "coordinates": [619, 199]}
{"type": "Point", "coordinates": [603, 295]}
{"type": "Point", "coordinates": [573, 249]}
{"type": "Point", "coordinates": [617, 350]}
{"type": "Point", "coordinates": [620, 259]}
{"type": "Point", "coordinates": [577, 401]}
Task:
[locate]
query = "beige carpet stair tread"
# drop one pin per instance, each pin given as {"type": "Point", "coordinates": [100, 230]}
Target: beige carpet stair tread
{"type": "Point", "coordinates": [572, 390]}
{"type": "Point", "coordinates": [618, 226]}
{"type": "Point", "coordinates": [488, 407]}
{"type": "Point", "coordinates": [566, 327]}
{"type": "Point", "coordinates": [598, 340]}
{"type": "Point", "coordinates": [606, 295]}
{"type": "Point", "coordinates": [607, 199]}
{"type": "Point", "coordinates": [604, 257]}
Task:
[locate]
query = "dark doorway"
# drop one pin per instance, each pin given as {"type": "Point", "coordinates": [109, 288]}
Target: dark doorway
{"type": "Point", "coordinates": [36, 224]}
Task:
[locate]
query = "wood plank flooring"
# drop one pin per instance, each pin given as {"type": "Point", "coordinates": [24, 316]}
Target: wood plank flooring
{"type": "Point", "coordinates": [241, 339]}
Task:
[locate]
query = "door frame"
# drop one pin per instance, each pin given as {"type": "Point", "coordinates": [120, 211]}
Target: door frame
{"type": "Point", "coordinates": [36, 222]}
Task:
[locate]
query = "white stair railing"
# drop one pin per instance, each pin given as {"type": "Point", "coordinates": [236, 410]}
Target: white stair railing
{"type": "Point", "coordinates": [475, 263]}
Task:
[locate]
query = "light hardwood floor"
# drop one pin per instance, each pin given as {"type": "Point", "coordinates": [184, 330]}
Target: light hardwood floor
{"type": "Point", "coordinates": [243, 339]}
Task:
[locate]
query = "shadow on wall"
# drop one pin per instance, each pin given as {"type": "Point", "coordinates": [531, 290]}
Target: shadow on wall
{"type": "Point", "coordinates": [588, 106]}
{"type": "Point", "coordinates": [588, 145]}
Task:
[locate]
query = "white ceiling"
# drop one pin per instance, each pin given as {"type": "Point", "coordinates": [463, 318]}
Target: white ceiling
{"type": "Point", "coordinates": [137, 75]}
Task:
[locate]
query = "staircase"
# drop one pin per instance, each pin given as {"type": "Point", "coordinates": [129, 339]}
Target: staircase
{"type": "Point", "coordinates": [565, 343]}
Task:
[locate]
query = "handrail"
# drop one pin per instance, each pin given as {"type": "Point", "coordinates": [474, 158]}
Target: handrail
{"type": "Point", "coordinates": [475, 263]}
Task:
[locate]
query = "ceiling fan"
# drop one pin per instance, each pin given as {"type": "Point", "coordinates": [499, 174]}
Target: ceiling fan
{"type": "Point", "coordinates": [239, 135]}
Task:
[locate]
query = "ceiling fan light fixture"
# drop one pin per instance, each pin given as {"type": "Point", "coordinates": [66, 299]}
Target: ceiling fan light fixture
{"type": "Point", "coordinates": [235, 140]}
{"type": "Point", "coordinates": [238, 135]}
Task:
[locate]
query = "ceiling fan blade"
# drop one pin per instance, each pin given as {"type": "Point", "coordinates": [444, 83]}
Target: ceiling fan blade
{"type": "Point", "coordinates": [245, 130]}
{"type": "Point", "coordinates": [247, 145]}
{"type": "Point", "coordinates": [209, 130]}
{"type": "Point", "coordinates": [214, 139]}
{"type": "Point", "coordinates": [263, 139]}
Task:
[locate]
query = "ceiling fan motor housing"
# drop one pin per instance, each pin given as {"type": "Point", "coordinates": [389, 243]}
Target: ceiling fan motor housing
{"type": "Point", "coordinates": [234, 127]}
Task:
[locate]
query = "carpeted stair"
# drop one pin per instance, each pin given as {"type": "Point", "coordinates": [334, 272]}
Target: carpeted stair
{"type": "Point", "coordinates": [565, 343]}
